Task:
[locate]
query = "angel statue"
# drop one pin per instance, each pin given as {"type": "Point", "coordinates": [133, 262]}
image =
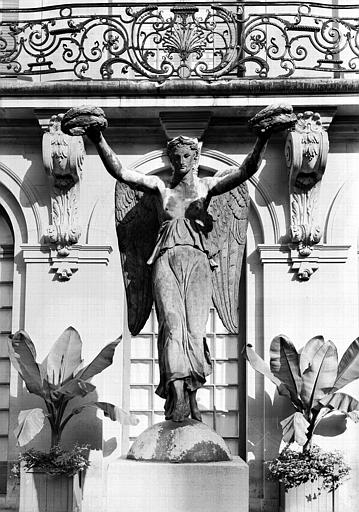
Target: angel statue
{"type": "Point", "coordinates": [181, 243]}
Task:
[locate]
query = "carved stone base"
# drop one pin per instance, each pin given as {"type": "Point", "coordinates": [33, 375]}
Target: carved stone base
{"type": "Point", "coordinates": [134, 486]}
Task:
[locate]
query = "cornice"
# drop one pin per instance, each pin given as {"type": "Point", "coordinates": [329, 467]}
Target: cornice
{"type": "Point", "coordinates": [275, 253]}
{"type": "Point", "coordinates": [233, 87]}
{"type": "Point", "coordinates": [64, 268]}
{"type": "Point", "coordinates": [81, 253]}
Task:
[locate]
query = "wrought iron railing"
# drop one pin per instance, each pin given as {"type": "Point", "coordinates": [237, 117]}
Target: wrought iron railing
{"type": "Point", "coordinates": [167, 40]}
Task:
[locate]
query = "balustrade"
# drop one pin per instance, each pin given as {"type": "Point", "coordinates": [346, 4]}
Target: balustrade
{"type": "Point", "coordinates": [194, 40]}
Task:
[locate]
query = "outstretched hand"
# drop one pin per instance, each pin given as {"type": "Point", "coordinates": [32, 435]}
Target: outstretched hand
{"type": "Point", "coordinates": [85, 120]}
{"type": "Point", "coordinates": [274, 118]}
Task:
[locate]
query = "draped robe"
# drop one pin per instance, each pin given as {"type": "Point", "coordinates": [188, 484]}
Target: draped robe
{"type": "Point", "coordinates": [182, 291]}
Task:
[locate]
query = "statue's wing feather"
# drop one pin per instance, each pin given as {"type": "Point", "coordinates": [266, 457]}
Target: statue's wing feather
{"type": "Point", "coordinates": [226, 246]}
{"type": "Point", "coordinates": [137, 228]}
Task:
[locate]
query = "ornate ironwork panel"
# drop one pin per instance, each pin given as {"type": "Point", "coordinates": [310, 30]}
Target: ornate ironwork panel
{"type": "Point", "coordinates": [199, 40]}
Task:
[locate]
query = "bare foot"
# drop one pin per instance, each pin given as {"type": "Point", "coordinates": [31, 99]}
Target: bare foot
{"type": "Point", "coordinates": [195, 412]}
{"type": "Point", "coordinates": [181, 411]}
{"type": "Point", "coordinates": [181, 407]}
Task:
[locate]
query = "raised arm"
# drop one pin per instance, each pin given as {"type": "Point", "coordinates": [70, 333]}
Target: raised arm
{"type": "Point", "coordinates": [271, 119]}
{"type": "Point", "coordinates": [114, 166]}
{"type": "Point", "coordinates": [237, 175]}
{"type": "Point", "coordinates": [91, 121]}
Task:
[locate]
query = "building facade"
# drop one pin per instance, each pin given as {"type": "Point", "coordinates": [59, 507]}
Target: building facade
{"type": "Point", "coordinates": [200, 70]}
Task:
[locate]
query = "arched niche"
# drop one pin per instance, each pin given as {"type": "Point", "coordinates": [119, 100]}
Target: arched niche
{"type": "Point", "coordinates": [19, 202]}
{"type": "Point", "coordinates": [263, 228]}
{"type": "Point", "coordinates": [262, 219]}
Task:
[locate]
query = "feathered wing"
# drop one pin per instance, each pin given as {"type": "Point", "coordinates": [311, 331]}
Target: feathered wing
{"type": "Point", "coordinates": [226, 246]}
{"type": "Point", "coordinates": [137, 228]}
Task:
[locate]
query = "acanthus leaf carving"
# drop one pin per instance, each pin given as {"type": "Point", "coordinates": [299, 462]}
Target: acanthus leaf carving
{"type": "Point", "coordinates": [63, 157]}
{"type": "Point", "coordinates": [306, 154]}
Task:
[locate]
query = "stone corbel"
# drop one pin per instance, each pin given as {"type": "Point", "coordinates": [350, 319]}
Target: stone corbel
{"type": "Point", "coordinates": [306, 152]}
{"type": "Point", "coordinates": [190, 124]}
{"type": "Point", "coordinates": [63, 157]}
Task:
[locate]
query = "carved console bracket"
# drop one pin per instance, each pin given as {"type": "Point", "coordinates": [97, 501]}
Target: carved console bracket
{"type": "Point", "coordinates": [306, 152]}
{"type": "Point", "coordinates": [63, 157]}
{"type": "Point", "coordinates": [190, 124]}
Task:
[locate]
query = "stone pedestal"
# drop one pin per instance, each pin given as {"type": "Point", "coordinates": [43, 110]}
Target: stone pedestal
{"type": "Point", "coordinates": [136, 486]}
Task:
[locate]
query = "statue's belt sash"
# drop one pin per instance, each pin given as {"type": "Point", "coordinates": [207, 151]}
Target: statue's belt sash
{"type": "Point", "coordinates": [180, 231]}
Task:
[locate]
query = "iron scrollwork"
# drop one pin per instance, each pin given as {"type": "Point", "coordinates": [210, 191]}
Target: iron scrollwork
{"type": "Point", "coordinates": [163, 41]}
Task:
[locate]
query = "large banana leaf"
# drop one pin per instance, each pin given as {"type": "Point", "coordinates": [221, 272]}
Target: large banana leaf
{"type": "Point", "coordinates": [331, 425]}
{"type": "Point", "coordinates": [22, 354]}
{"type": "Point", "coordinates": [284, 364]}
{"type": "Point", "coordinates": [101, 361]}
{"type": "Point", "coordinates": [30, 423]}
{"type": "Point", "coordinates": [321, 372]}
{"type": "Point", "coordinates": [340, 402]}
{"type": "Point", "coordinates": [295, 429]}
{"type": "Point", "coordinates": [308, 352]}
{"type": "Point", "coordinates": [64, 356]}
{"type": "Point", "coordinates": [258, 364]}
{"type": "Point", "coordinates": [75, 387]}
{"type": "Point", "coordinates": [111, 411]}
{"type": "Point", "coordinates": [348, 369]}
{"type": "Point", "coordinates": [116, 413]}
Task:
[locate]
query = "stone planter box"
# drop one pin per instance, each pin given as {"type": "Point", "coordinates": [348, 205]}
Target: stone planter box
{"type": "Point", "coordinates": [40, 492]}
{"type": "Point", "coordinates": [305, 499]}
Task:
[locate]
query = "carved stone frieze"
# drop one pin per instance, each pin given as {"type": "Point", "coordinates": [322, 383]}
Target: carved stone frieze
{"type": "Point", "coordinates": [63, 157]}
{"type": "Point", "coordinates": [306, 152]}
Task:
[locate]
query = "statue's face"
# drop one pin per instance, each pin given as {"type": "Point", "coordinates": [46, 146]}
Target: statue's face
{"type": "Point", "coordinates": [183, 159]}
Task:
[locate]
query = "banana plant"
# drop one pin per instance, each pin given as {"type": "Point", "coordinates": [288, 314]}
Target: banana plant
{"type": "Point", "coordinates": [60, 378]}
{"type": "Point", "coordinates": [311, 379]}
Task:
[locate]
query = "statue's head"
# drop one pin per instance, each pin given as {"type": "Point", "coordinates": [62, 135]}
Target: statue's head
{"type": "Point", "coordinates": [183, 153]}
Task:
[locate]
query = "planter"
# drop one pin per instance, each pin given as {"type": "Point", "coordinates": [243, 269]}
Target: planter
{"type": "Point", "coordinates": [40, 492]}
{"type": "Point", "coordinates": [305, 498]}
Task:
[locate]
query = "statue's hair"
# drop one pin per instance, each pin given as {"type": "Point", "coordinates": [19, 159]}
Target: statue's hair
{"type": "Point", "coordinates": [181, 140]}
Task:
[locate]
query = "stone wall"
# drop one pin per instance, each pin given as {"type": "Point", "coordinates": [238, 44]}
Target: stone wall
{"type": "Point", "coordinates": [92, 300]}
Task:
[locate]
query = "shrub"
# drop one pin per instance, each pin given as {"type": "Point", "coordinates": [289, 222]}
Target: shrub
{"type": "Point", "coordinates": [57, 461]}
{"type": "Point", "coordinates": [293, 468]}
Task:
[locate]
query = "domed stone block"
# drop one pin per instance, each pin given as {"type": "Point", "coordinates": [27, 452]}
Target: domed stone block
{"type": "Point", "coordinates": [186, 441]}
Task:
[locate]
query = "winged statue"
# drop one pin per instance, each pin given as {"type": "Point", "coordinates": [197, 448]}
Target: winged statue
{"type": "Point", "coordinates": [181, 243]}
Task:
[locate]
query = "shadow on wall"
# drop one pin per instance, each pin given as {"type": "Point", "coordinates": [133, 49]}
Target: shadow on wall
{"type": "Point", "coordinates": [264, 439]}
{"type": "Point", "coordinates": [265, 436]}
{"type": "Point", "coordinates": [63, 491]}
{"type": "Point", "coordinates": [35, 181]}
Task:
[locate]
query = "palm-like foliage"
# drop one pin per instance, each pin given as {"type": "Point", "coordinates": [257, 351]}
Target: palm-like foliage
{"type": "Point", "coordinates": [57, 380]}
{"type": "Point", "coordinates": [310, 379]}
